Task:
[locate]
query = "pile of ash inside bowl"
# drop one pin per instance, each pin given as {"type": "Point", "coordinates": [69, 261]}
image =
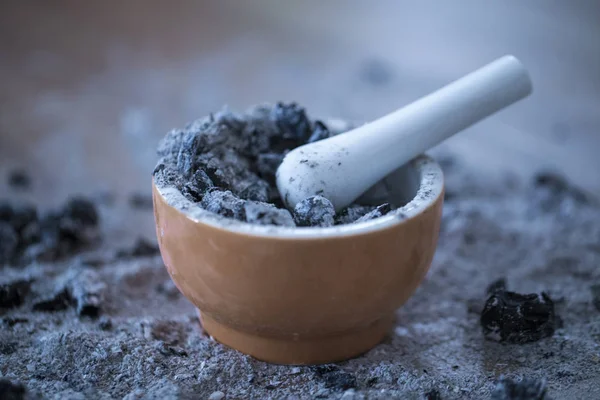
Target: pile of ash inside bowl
{"type": "Point", "coordinates": [226, 163]}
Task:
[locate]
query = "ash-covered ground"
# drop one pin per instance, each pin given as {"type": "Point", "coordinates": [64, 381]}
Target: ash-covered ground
{"type": "Point", "coordinates": [102, 320]}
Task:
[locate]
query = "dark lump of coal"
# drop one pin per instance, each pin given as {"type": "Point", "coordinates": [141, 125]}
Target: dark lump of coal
{"type": "Point", "coordinates": [27, 236]}
{"type": "Point", "coordinates": [226, 163]}
{"type": "Point", "coordinates": [517, 318]}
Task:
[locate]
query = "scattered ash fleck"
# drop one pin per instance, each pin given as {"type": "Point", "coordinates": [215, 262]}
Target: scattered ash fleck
{"type": "Point", "coordinates": [376, 73]}
{"type": "Point", "coordinates": [19, 179]}
{"type": "Point", "coordinates": [141, 201]}
{"type": "Point", "coordinates": [525, 389]}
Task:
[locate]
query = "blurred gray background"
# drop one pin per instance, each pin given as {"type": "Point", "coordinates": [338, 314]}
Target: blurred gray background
{"type": "Point", "coordinates": [88, 88]}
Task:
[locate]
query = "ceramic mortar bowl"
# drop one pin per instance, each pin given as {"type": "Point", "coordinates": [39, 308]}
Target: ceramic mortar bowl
{"type": "Point", "coordinates": [305, 295]}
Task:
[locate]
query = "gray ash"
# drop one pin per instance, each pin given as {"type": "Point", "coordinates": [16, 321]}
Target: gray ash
{"type": "Point", "coordinates": [517, 318]}
{"type": "Point", "coordinates": [226, 163]}
{"type": "Point", "coordinates": [525, 389]}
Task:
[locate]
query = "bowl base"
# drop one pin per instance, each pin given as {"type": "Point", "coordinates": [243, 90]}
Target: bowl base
{"type": "Point", "coordinates": [312, 351]}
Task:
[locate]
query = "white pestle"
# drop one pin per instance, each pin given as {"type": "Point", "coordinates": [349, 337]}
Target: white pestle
{"type": "Point", "coordinates": [343, 167]}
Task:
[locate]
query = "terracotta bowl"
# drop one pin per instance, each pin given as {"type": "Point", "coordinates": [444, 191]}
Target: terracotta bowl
{"type": "Point", "coordinates": [305, 295]}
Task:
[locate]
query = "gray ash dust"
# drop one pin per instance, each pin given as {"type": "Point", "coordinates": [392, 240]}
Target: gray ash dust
{"type": "Point", "coordinates": [226, 163]}
{"type": "Point", "coordinates": [510, 309]}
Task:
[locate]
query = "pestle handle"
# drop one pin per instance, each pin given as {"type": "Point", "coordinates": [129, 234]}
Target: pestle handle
{"type": "Point", "coordinates": [404, 134]}
{"type": "Point", "coordinates": [345, 166]}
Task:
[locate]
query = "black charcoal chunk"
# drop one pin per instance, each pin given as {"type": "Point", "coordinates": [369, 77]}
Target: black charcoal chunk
{"type": "Point", "coordinates": [18, 215]}
{"type": "Point", "coordinates": [595, 289]}
{"type": "Point", "coordinates": [60, 300]}
{"type": "Point", "coordinates": [516, 318]}
{"type": "Point", "coordinates": [267, 165]}
{"type": "Point", "coordinates": [320, 132]}
{"type": "Point", "coordinates": [141, 201]}
{"type": "Point", "coordinates": [351, 213]}
{"type": "Point", "coordinates": [335, 378]}
{"type": "Point", "coordinates": [9, 241]}
{"type": "Point", "coordinates": [105, 323]}
{"type": "Point", "coordinates": [267, 214]}
{"type": "Point", "coordinates": [190, 145]}
{"type": "Point", "coordinates": [292, 122]}
{"type": "Point", "coordinates": [30, 234]}
{"type": "Point", "coordinates": [526, 389]}
{"type": "Point", "coordinates": [13, 293]}
{"type": "Point", "coordinates": [81, 211]}
{"type": "Point", "coordinates": [67, 231]}
{"type": "Point", "coordinates": [82, 289]}
{"type": "Point", "coordinates": [19, 179]}
{"type": "Point", "coordinates": [314, 211]}
{"type": "Point", "coordinates": [224, 203]}
{"type": "Point", "coordinates": [194, 190]}
{"type": "Point", "coordinates": [12, 391]}
{"type": "Point", "coordinates": [380, 211]}
{"type": "Point", "coordinates": [433, 395]}
{"type": "Point", "coordinates": [141, 248]}
{"type": "Point", "coordinates": [256, 191]}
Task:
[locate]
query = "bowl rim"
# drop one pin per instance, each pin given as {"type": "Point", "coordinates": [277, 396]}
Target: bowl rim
{"type": "Point", "coordinates": [431, 185]}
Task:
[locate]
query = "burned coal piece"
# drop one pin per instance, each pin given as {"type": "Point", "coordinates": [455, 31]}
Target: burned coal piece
{"type": "Point", "coordinates": [267, 165]}
{"type": "Point", "coordinates": [256, 191]}
{"type": "Point", "coordinates": [13, 293]}
{"type": "Point", "coordinates": [59, 301]}
{"type": "Point", "coordinates": [12, 391]}
{"type": "Point", "coordinates": [334, 378]}
{"type": "Point", "coordinates": [190, 146]}
{"type": "Point", "coordinates": [516, 318]}
{"type": "Point", "coordinates": [140, 201]}
{"type": "Point", "coordinates": [9, 241]}
{"type": "Point", "coordinates": [351, 213]}
{"type": "Point", "coordinates": [267, 214]}
{"type": "Point", "coordinates": [314, 211]}
{"type": "Point", "coordinates": [197, 186]}
{"type": "Point", "coordinates": [292, 122]}
{"type": "Point", "coordinates": [526, 389]}
{"type": "Point", "coordinates": [224, 203]}
{"type": "Point", "coordinates": [320, 132]}
{"type": "Point", "coordinates": [19, 179]}
{"type": "Point", "coordinates": [380, 211]}
{"type": "Point", "coordinates": [595, 289]}
{"type": "Point", "coordinates": [86, 290]}
{"type": "Point", "coordinates": [433, 395]}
